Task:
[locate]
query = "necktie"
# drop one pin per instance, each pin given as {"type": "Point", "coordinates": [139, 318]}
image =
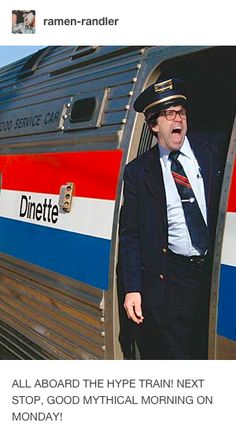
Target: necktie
{"type": "Point", "coordinates": [197, 227]}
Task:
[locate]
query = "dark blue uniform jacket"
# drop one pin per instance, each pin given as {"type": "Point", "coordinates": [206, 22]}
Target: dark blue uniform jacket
{"type": "Point", "coordinates": [143, 233]}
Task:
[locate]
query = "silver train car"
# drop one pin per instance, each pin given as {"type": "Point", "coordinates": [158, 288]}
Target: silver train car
{"type": "Point", "coordinates": [67, 129]}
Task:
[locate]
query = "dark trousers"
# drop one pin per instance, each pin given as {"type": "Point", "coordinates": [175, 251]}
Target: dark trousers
{"type": "Point", "coordinates": [182, 332]}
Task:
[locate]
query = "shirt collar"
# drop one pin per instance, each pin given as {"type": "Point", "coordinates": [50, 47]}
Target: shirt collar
{"type": "Point", "coordinates": [185, 150]}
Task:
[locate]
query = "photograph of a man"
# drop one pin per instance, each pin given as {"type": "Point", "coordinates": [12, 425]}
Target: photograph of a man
{"type": "Point", "coordinates": [167, 226]}
{"type": "Point", "coordinates": [23, 21]}
{"type": "Point", "coordinates": [29, 21]}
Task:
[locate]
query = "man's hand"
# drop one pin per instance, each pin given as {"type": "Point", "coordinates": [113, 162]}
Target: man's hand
{"type": "Point", "coordinates": [132, 305]}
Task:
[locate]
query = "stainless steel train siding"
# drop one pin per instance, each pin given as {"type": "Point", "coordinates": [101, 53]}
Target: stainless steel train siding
{"type": "Point", "coordinates": [67, 129]}
{"type": "Point", "coordinates": [42, 99]}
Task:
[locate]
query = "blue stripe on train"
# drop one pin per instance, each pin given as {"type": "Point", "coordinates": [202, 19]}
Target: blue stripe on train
{"type": "Point", "coordinates": [227, 302]}
{"type": "Point", "coordinates": [77, 256]}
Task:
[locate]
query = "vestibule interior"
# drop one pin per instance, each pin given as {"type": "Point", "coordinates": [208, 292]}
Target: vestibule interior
{"type": "Point", "coordinates": [210, 80]}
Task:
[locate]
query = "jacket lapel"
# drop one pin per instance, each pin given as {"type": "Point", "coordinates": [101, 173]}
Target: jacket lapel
{"type": "Point", "coordinates": [154, 180]}
{"type": "Point", "coordinates": [205, 164]}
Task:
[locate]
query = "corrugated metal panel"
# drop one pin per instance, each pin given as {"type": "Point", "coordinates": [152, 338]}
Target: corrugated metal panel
{"type": "Point", "coordinates": [64, 319]}
{"type": "Point", "coordinates": [66, 322]}
{"type": "Point", "coordinates": [14, 345]}
{"type": "Point", "coordinates": [46, 90]}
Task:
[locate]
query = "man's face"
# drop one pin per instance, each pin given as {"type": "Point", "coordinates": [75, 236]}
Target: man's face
{"type": "Point", "coordinates": [171, 134]}
{"type": "Point", "coordinates": [29, 19]}
{"type": "Point", "coordinates": [14, 19]}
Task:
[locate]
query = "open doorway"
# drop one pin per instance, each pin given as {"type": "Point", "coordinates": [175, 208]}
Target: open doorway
{"type": "Point", "coordinates": [211, 82]}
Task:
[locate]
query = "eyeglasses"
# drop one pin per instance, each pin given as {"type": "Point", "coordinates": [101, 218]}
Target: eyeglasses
{"type": "Point", "coordinates": [171, 114]}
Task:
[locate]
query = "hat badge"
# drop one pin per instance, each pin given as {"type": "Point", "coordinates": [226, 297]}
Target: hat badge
{"type": "Point", "coordinates": [164, 86]}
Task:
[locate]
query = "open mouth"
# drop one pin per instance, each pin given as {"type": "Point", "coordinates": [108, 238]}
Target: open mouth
{"type": "Point", "coordinates": [177, 131]}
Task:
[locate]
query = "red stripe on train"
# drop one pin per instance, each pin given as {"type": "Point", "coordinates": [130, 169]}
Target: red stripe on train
{"type": "Point", "coordinates": [232, 194]}
{"type": "Point", "coordinates": [95, 174]}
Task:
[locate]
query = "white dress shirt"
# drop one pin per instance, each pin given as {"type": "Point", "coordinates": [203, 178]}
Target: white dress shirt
{"type": "Point", "coordinates": [178, 236]}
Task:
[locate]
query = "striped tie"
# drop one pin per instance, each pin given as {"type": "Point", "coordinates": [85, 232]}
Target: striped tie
{"type": "Point", "coordinates": [197, 227]}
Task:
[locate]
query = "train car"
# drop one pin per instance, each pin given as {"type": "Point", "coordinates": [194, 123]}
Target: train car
{"type": "Point", "coordinates": [222, 330]}
{"type": "Point", "coordinates": [67, 130]}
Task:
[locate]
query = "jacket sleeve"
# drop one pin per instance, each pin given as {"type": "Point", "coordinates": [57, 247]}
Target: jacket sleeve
{"type": "Point", "coordinates": [129, 259]}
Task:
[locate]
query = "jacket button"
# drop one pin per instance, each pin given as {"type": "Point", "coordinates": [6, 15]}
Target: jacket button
{"type": "Point", "coordinates": [164, 250]}
{"type": "Point", "coordinates": [161, 276]}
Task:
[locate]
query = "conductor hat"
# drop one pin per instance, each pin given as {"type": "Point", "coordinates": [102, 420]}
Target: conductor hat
{"type": "Point", "coordinates": [25, 12]}
{"type": "Point", "coordinates": [160, 95]}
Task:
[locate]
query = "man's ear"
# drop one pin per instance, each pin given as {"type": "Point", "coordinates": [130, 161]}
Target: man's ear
{"type": "Point", "coordinates": [153, 128]}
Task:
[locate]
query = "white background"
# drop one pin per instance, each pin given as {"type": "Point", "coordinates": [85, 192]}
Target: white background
{"type": "Point", "coordinates": [183, 22]}
{"type": "Point", "coordinates": [219, 382]}
{"type": "Point", "coordinates": [160, 22]}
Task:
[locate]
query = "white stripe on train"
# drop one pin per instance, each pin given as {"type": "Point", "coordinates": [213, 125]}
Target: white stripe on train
{"type": "Point", "coordinates": [88, 216]}
{"type": "Point", "coordinates": [228, 256]}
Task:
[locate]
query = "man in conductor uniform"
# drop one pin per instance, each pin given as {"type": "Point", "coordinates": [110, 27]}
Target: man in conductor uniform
{"type": "Point", "coordinates": [167, 226]}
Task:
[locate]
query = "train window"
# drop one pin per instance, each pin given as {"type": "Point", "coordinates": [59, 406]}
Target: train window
{"type": "Point", "coordinates": [32, 64]}
{"type": "Point", "coordinates": [86, 111]}
{"type": "Point", "coordinates": [83, 110]}
{"type": "Point", "coordinates": [82, 51]}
